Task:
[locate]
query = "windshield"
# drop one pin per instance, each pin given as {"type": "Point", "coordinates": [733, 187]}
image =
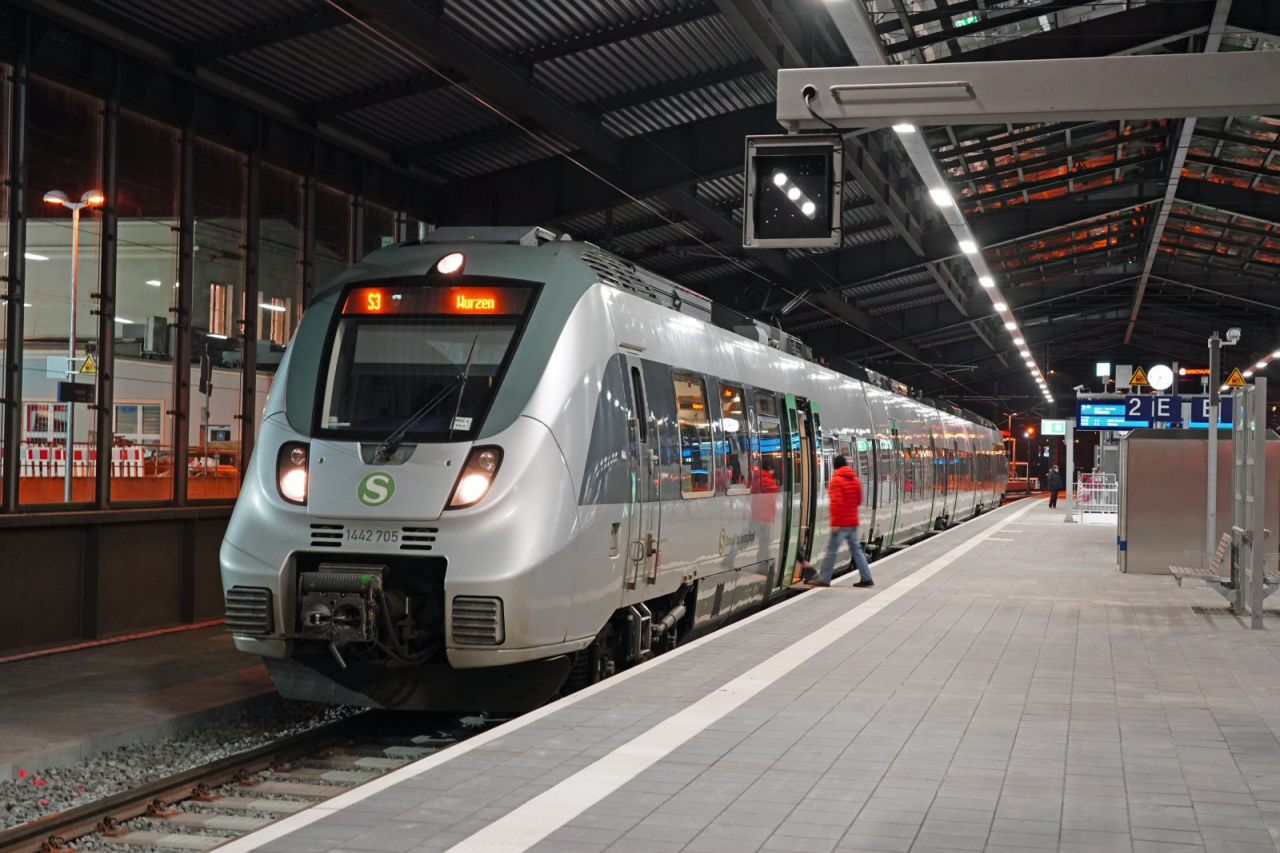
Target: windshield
{"type": "Point", "coordinates": [384, 367]}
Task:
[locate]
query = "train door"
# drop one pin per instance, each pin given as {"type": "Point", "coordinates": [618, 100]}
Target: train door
{"type": "Point", "coordinates": [646, 496]}
{"type": "Point", "coordinates": [954, 480]}
{"type": "Point", "coordinates": [938, 460]}
{"type": "Point", "coordinates": [800, 449]}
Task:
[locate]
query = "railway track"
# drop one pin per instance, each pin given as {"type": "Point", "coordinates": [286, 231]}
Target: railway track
{"type": "Point", "coordinates": [201, 808]}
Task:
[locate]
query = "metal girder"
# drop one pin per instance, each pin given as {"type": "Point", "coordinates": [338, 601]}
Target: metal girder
{"type": "Point", "coordinates": [609, 35]}
{"type": "Point", "coordinates": [687, 204]}
{"type": "Point", "coordinates": [993, 19]}
{"type": "Point", "coordinates": [1136, 87]}
{"type": "Point", "coordinates": [425, 34]}
{"type": "Point", "coordinates": [365, 98]}
{"type": "Point", "coordinates": [551, 190]}
{"type": "Point", "coordinates": [1118, 33]}
{"type": "Point", "coordinates": [316, 21]}
{"type": "Point", "coordinates": [1229, 199]}
{"type": "Point", "coordinates": [760, 32]}
{"type": "Point", "coordinates": [1176, 162]}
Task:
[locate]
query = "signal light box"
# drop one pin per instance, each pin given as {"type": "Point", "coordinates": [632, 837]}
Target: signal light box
{"type": "Point", "coordinates": [793, 195]}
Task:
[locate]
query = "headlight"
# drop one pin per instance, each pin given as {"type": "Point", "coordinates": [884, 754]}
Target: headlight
{"type": "Point", "coordinates": [291, 472]}
{"type": "Point", "coordinates": [476, 477]}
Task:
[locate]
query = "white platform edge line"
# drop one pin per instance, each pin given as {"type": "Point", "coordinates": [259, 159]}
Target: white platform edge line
{"type": "Point", "coordinates": [537, 818]}
{"type": "Point", "coordinates": [279, 829]}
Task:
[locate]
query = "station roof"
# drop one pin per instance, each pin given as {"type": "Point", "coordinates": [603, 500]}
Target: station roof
{"type": "Point", "coordinates": [622, 122]}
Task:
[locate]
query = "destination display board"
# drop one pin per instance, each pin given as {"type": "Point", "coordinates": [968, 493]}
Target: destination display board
{"type": "Point", "coordinates": [1107, 414]}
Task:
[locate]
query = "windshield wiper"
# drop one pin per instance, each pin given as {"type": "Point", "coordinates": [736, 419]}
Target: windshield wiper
{"type": "Point", "coordinates": [393, 441]}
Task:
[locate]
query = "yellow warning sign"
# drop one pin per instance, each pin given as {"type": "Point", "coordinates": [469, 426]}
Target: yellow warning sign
{"type": "Point", "coordinates": [1139, 377]}
{"type": "Point", "coordinates": [1235, 380]}
{"type": "Point", "coordinates": [89, 366]}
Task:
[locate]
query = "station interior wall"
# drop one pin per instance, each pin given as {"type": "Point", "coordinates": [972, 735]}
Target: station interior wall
{"type": "Point", "coordinates": [131, 551]}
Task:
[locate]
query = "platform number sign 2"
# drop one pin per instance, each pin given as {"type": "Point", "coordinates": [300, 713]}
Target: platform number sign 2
{"type": "Point", "coordinates": [376, 488]}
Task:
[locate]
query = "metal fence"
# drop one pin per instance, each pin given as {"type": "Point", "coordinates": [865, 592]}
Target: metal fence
{"type": "Point", "coordinates": [1097, 498]}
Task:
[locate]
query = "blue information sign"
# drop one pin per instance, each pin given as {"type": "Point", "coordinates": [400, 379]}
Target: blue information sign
{"type": "Point", "coordinates": [1154, 409]}
{"type": "Point", "coordinates": [1110, 414]}
{"type": "Point", "coordinates": [1200, 413]}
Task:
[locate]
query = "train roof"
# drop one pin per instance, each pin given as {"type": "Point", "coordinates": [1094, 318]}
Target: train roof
{"type": "Point", "coordinates": [625, 275]}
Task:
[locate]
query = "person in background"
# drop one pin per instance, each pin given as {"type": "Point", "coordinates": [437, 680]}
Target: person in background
{"type": "Point", "coordinates": [845, 490]}
{"type": "Point", "coordinates": [1055, 486]}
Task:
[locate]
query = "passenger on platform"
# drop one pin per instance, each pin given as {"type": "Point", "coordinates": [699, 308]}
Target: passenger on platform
{"type": "Point", "coordinates": [845, 491]}
{"type": "Point", "coordinates": [1055, 486]}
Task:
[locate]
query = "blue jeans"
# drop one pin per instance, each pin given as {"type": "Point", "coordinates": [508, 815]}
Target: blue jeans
{"type": "Point", "coordinates": [850, 535]}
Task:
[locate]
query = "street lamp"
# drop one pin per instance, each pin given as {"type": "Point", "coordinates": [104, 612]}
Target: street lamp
{"type": "Point", "coordinates": [1030, 432]}
{"type": "Point", "coordinates": [90, 198]}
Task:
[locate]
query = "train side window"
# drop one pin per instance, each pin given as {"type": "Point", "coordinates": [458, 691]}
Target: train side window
{"type": "Point", "coordinates": [773, 473]}
{"type": "Point", "coordinates": [697, 462]}
{"type": "Point", "coordinates": [735, 474]}
{"type": "Point", "coordinates": [642, 412]}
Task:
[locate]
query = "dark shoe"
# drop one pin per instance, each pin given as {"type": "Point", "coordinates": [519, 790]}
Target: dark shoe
{"type": "Point", "coordinates": [818, 582]}
{"type": "Point", "coordinates": [865, 583]}
{"type": "Point", "coordinates": [807, 572]}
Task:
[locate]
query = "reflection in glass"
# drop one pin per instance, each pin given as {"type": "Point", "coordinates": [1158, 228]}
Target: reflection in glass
{"type": "Point", "coordinates": [379, 228]}
{"type": "Point", "coordinates": [64, 145]}
{"type": "Point", "coordinates": [4, 249]}
{"type": "Point", "coordinates": [142, 461]}
{"type": "Point", "coordinates": [280, 263]}
{"type": "Point", "coordinates": [217, 312]}
{"type": "Point", "coordinates": [333, 234]}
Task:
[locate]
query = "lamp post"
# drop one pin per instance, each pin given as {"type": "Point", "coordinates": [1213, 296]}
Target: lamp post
{"type": "Point", "coordinates": [90, 198]}
{"type": "Point", "coordinates": [1028, 434]}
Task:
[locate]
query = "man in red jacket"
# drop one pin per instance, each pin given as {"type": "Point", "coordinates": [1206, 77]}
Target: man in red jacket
{"type": "Point", "coordinates": [845, 491]}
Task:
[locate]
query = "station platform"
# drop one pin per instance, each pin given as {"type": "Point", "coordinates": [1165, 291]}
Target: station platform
{"type": "Point", "coordinates": [1001, 688]}
{"type": "Point", "coordinates": [57, 709]}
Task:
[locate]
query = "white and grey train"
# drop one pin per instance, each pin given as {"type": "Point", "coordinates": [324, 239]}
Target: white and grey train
{"type": "Point", "coordinates": [496, 465]}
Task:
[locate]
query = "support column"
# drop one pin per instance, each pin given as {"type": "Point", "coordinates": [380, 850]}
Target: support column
{"type": "Point", "coordinates": [104, 407]}
{"type": "Point", "coordinates": [249, 356]}
{"type": "Point", "coordinates": [15, 275]}
{"type": "Point", "coordinates": [182, 315]}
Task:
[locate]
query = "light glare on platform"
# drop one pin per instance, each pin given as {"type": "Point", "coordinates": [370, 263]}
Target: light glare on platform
{"type": "Point", "coordinates": [969, 247]}
{"type": "Point", "coordinates": [986, 281]}
{"type": "Point", "coordinates": [904, 127]}
{"type": "Point", "coordinates": [941, 196]}
{"type": "Point", "coordinates": [1000, 306]}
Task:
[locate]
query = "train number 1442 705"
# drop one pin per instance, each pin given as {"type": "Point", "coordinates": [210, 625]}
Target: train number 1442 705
{"type": "Point", "coordinates": [370, 534]}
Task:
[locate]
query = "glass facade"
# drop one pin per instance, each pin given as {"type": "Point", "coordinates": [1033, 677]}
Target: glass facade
{"type": "Point", "coordinates": [5, 133]}
{"type": "Point", "coordinates": [142, 458]}
{"type": "Point", "coordinates": [62, 460]}
{"type": "Point", "coordinates": [333, 234]}
{"type": "Point", "coordinates": [280, 238]}
{"type": "Point", "coordinates": [379, 228]}
{"type": "Point", "coordinates": [64, 153]}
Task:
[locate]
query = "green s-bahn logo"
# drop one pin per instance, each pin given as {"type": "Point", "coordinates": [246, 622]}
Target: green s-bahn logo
{"type": "Point", "coordinates": [376, 488]}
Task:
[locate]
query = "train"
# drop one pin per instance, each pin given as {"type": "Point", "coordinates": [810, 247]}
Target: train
{"type": "Point", "coordinates": [497, 465]}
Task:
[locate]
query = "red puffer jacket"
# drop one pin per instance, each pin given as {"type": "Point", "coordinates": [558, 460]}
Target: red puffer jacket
{"type": "Point", "coordinates": [845, 490]}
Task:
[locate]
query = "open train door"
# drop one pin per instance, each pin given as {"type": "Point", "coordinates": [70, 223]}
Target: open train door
{"type": "Point", "coordinates": [644, 527]}
{"type": "Point", "coordinates": [800, 452]}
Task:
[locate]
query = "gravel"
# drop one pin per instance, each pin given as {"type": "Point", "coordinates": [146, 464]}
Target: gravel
{"type": "Point", "coordinates": [41, 792]}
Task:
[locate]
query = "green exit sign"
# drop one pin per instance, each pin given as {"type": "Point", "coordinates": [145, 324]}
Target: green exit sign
{"type": "Point", "coordinates": [1053, 427]}
{"type": "Point", "coordinates": [965, 21]}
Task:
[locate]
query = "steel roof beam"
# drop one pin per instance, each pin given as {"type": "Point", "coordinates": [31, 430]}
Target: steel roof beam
{"type": "Point", "coordinates": [687, 204]}
{"type": "Point", "coordinates": [659, 21]}
{"type": "Point", "coordinates": [1128, 31]}
{"type": "Point", "coordinates": [264, 35]}
{"type": "Point", "coordinates": [553, 190]}
{"type": "Point", "coordinates": [425, 34]}
{"type": "Point", "coordinates": [1179, 157]}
